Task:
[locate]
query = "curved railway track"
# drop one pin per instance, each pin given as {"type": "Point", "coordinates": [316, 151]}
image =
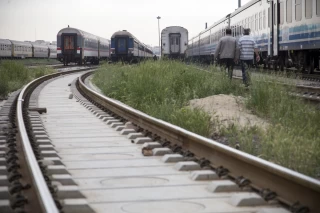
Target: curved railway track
{"type": "Point", "coordinates": [71, 158]}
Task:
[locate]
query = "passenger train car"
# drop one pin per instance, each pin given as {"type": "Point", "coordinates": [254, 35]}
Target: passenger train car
{"type": "Point", "coordinates": [174, 41]}
{"type": "Point", "coordinates": [126, 47]}
{"type": "Point", "coordinates": [287, 33]}
{"type": "Point", "coordinates": [10, 49]}
{"type": "Point", "coordinates": [74, 45]}
{"type": "Point", "coordinates": [52, 51]}
{"type": "Point", "coordinates": [5, 48]}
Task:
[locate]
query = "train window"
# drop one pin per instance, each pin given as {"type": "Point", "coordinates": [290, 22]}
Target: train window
{"type": "Point", "coordinates": [252, 23]}
{"type": "Point", "coordinates": [298, 10]}
{"type": "Point", "coordinates": [256, 22]}
{"type": "Point", "coordinates": [318, 7]}
{"type": "Point", "coordinates": [269, 17]}
{"type": "Point", "coordinates": [260, 21]}
{"type": "Point", "coordinates": [281, 12]}
{"type": "Point", "coordinates": [264, 19]}
{"type": "Point", "coordinates": [308, 6]}
{"type": "Point", "coordinates": [289, 11]}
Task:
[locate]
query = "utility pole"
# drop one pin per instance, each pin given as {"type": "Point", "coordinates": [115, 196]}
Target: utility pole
{"type": "Point", "coordinates": [239, 3]}
{"type": "Point", "coordinates": [159, 33]}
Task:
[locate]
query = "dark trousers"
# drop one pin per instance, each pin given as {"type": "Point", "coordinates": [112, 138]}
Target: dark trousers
{"type": "Point", "coordinates": [229, 64]}
{"type": "Point", "coordinates": [245, 66]}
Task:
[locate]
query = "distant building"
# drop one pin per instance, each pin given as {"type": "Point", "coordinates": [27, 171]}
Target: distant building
{"type": "Point", "coordinates": [54, 42]}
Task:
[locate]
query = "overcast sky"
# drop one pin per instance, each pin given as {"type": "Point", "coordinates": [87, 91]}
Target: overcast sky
{"type": "Point", "coordinates": [42, 19]}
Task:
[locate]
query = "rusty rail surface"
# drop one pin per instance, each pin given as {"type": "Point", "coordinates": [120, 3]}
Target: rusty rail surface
{"type": "Point", "coordinates": [290, 186]}
{"type": "Point", "coordinates": [39, 184]}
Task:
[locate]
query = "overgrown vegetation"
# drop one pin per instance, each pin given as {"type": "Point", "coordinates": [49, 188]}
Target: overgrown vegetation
{"type": "Point", "coordinates": [13, 75]}
{"type": "Point", "coordinates": [163, 89]}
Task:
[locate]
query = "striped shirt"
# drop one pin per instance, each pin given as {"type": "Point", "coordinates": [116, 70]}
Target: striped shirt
{"type": "Point", "coordinates": [246, 46]}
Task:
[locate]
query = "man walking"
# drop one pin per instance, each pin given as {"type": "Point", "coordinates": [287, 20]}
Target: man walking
{"type": "Point", "coordinates": [247, 48]}
{"type": "Point", "coordinates": [226, 51]}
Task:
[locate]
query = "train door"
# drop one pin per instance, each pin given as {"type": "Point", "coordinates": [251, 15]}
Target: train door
{"type": "Point", "coordinates": [99, 48]}
{"type": "Point", "coordinates": [69, 43]}
{"type": "Point", "coordinates": [121, 45]}
{"type": "Point", "coordinates": [274, 26]}
{"type": "Point", "coordinates": [174, 43]}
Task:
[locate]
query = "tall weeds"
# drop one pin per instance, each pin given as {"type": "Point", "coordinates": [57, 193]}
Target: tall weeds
{"type": "Point", "coordinates": [13, 75]}
{"type": "Point", "coordinates": [163, 89]}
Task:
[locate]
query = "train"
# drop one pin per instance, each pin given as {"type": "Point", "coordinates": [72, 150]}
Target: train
{"type": "Point", "coordinates": [77, 46]}
{"type": "Point", "coordinates": [174, 41]}
{"type": "Point", "coordinates": [287, 33]}
{"type": "Point", "coordinates": [11, 49]}
{"type": "Point", "coordinates": [126, 47]}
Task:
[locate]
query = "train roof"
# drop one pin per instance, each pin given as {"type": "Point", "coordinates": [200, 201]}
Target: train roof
{"type": "Point", "coordinates": [210, 27]}
{"type": "Point", "coordinates": [51, 46]}
{"type": "Point", "coordinates": [21, 43]}
{"type": "Point", "coordinates": [172, 27]}
{"type": "Point", "coordinates": [249, 4]}
{"type": "Point", "coordinates": [39, 45]}
{"type": "Point", "coordinates": [123, 33]}
{"type": "Point", "coordinates": [5, 41]}
{"type": "Point", "coordinates": [231, 15]}
{"type": "Point", "coordinates": [126, 33]}
{"type": "Point", "coordinates": [103, 40]}
{"type": "Point", "coordinates": [78, 32]}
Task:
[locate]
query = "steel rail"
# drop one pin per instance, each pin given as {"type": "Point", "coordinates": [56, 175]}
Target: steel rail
{"type": "Point", "coordinates": [289, 185]}
{"type": "Point", "coordinates": [44, 196]}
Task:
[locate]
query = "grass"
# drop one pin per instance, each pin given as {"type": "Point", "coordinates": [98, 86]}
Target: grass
{"type": "Point", "coordinates": [13, 75]}
{"type": "Point", "coordinates": [164, 88]}
{"type": "Point", "coordinates": [38, 61]}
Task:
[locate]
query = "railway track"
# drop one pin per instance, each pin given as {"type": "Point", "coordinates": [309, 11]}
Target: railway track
{"type": "Point", "coordinates": [90, 153]}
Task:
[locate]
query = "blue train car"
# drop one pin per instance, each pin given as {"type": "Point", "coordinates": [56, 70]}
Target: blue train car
{"type": "Point", "coordinates": [126, 47]}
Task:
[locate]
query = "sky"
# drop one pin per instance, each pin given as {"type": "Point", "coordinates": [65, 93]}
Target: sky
{"type": "Point", "coordinates": [42, 19]}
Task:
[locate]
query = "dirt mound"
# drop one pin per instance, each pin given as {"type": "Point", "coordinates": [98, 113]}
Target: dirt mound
{"type": "Point", "coordinates": [228, 109]}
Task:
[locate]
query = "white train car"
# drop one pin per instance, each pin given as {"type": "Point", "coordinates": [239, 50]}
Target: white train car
{"type": "Point", "coordinates": [5, 48]}
{"type": "Point", "coordinates": [52, 51]}
{"type": "Point", "coordinates": [40, 50]}
{"type": "Point", "coordinates": [202, 46]}
{"type": "Point", "coordinates": [174, 41]}
{"type": "Point", "coordinates": [21, 49]}
{"type": "Point", "coordinates": [74, 45]}
{"type": "Point", "coordinates": [287, 33]}
{"type": "Point", "coordinates": [104, 48]}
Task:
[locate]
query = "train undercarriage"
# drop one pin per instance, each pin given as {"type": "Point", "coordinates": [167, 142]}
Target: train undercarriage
{"type": "Point", "coordinates": [305, 61]}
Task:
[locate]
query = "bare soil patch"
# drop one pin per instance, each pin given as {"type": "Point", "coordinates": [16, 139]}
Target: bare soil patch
{"type": "Point", "coordinates": [229, 110]}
